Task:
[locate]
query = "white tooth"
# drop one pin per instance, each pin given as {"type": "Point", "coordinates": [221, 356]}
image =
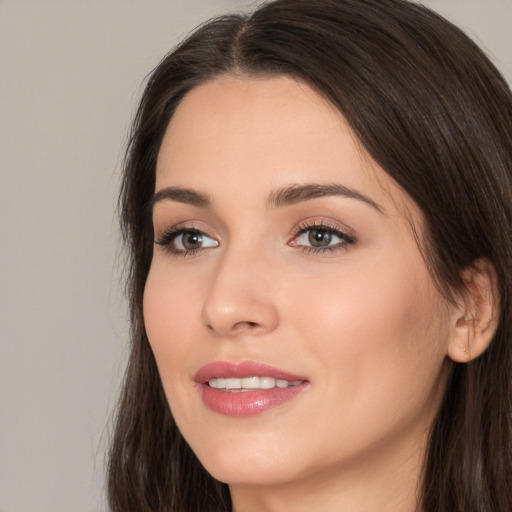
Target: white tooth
{"type": "Point", "coordinates": [267, 382]}
{"type": "Point", "coordinates": [233, 383]}
{"type": "Point", "coordinates": [248, 383]}
{"type": "Point", "coordinates": [218, 383]}
{"type": "Point", "coordinates": [251, 383]}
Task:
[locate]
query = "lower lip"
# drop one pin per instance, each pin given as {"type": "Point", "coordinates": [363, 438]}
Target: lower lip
{"type": "Point", "coordinates": [247, 403]}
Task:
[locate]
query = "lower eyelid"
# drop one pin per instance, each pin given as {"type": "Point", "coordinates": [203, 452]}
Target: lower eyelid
{"type": "Point", "coordinates": [309, 249]}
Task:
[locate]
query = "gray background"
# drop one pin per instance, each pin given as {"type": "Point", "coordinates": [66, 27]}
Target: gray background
{"type": "Point", "coordinates": [70, 75]}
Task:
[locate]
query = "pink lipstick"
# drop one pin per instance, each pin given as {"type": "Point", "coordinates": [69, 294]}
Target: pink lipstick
{"type": "Point", "coordinates": [246, 388]}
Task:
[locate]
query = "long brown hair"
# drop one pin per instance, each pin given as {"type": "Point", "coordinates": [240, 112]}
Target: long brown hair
{"type": "Point", "coordinates": [436, 115]}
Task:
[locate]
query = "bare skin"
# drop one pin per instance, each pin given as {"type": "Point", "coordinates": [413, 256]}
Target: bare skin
{"type": "Point", "coordinates": [333, 288]}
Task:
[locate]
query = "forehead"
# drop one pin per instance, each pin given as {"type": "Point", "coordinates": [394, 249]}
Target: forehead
{"type": "Point", "coordinates": [254, 134]}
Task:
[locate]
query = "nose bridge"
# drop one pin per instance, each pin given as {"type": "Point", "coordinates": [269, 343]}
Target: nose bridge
{"type": "Point", "coordinates": [239, 297]}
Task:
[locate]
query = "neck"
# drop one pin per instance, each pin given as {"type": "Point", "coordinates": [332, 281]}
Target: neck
{"type": "Point", "coordinates": [382, 481]}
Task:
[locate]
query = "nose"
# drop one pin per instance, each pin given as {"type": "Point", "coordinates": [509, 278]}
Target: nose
{"type": "Point", "coordinates": [240, 297]}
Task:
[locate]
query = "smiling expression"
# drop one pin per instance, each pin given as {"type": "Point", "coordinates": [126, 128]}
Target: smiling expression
{"type": "Point", "coordinates": [279, 242]}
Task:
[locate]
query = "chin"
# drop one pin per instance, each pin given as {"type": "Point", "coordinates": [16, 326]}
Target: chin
{"type": "Point", "coordinates": [248, 463]}
{"type": "Point", "coordinates": [248, 474]}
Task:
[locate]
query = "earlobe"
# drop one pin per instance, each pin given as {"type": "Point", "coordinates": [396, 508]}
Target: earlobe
{"type": "Point", "coordinates": [477, 317]}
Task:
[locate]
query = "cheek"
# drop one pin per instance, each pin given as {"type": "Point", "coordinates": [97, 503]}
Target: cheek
{"type": "Point", "coordinates": [380, 336]}
{"type": "Point", "coordinates": [394, 304]}
{"type": "Point", "coordinates": [169, 314]}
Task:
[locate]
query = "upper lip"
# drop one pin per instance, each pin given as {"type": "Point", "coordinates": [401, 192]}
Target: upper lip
{"type": "Point", "coordinates": [240, 370]}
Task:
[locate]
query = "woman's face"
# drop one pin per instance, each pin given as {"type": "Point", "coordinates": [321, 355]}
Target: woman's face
{"type": "Point", "coordinates": [296, 328]}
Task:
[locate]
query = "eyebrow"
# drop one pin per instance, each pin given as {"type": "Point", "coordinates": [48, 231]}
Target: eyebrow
{"type": "Point", "coordinates": [283, 196]}
{"type": "Point", "coordinates": [180, 195]}
{"type": "Point", "coordinates": [298, 193]}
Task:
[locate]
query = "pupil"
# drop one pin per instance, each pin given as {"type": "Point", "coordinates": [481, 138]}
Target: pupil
{"type": "Point", "coordinates": [192, 240]}
{"type": "Point", "coordinates": [319, 237]}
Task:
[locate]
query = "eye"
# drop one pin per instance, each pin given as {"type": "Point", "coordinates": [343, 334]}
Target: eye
{"type": "Point", "coordinates": [192, 240]}
{"type": "Point", "coordinates": [185, 241]}
{"type": "Point", "coordinates": [321, 237]}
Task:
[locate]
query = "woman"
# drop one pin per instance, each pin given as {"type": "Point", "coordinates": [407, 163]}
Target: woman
{"type": "Point", "coordinates": [317, 200]}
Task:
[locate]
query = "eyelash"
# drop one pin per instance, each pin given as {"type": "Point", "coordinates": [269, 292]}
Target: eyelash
{"type": "Point", "coordinates": [346, 239]}
{"type": "Point", "coordinates": [168, 237]}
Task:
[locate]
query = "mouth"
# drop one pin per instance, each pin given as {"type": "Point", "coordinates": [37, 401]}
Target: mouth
{"type": "Point", "coordinates": [251, 383]}
{"type": "Point", "coordinates": [246, 388]}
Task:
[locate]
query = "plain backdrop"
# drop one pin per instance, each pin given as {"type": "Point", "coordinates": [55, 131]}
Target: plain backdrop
{"type": "Point", "coordinates": [70, 75]}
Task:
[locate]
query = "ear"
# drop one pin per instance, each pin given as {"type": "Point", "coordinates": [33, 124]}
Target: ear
{"type": "Point", "coordinates": [477, 314]}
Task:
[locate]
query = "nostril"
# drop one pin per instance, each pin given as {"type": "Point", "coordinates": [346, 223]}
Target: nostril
{"type": "Point", "coordinates": [246, 326]}
{"type": "Point", "coordinates": [237, 327]}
